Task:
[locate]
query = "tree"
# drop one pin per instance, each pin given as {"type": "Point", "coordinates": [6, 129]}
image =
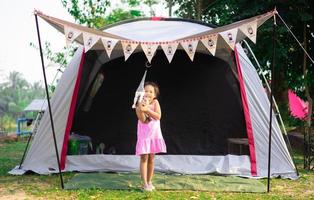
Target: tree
{"type": "Point", "coordinates": [150, 4]}
{"type": "Point", "coordinates": [97, 14]}
{"type": "Point", "coordinates": [15, 94]}
{"type": "Point", "coordinates": [195, 9]}
{"type": "Point", "coordinates": [91, 13]}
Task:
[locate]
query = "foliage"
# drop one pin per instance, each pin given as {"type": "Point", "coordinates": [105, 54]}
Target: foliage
{"type": "Point", "coordinates": [150, 4]}
{"type": "Point", "coordinates": [87, 12]}
{"type": "Point", "coordinates": [97, 14]}
{"type": "Point", "coordinates": [61, 58]}
{"type": "Point", "coordinates": [15, 94]}
{"type": "Point", "coordinates": [119, 14]}
{"type": "Point", "coordinates": [196, 9]}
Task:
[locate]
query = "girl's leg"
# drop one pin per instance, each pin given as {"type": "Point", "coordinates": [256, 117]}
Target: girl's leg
{"type": "Point", "coordinates": [143, 168]}
{"type": "Point", "coordinates": [140, 115]}
{"type": "Point", "coordinates": [150, 168]}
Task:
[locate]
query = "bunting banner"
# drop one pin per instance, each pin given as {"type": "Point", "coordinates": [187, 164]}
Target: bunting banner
{"type": "Point", "coordinates": [128, 48]}
{"type": "Point", "coordinates": [190, 48]}
{"type": "Point", "coordinates": [90, 40]}
{"type": "Point", "coordinates": [169, 49]}
{"type": "Point", "coordinates": [70, 34]}
{"type": "Point", "coordinates": [230, 37]}
{"type": "Point", "coordinates": [109, 44]}
{"type": "Point", "coordinates": [98, 39]}
{"type": "Point", "coordinates": [210, 42]}
{"type": "Point", "coordinates": [249, 30]}
{"type": "Point", "coordinates": [149, 50]}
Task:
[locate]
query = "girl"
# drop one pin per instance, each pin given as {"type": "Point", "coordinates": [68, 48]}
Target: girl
{"type": "Point", "coordinates": [149, 136]}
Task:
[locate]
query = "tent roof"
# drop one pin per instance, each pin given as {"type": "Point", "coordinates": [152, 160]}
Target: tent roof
{"type": "Point", "coordinates": [148, 30]}
{"type": "Point", "coordinates": [37, 105]}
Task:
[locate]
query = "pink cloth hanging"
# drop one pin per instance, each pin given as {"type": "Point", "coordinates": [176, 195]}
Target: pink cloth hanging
{"type": "Point", "coordinates": [298, 107]}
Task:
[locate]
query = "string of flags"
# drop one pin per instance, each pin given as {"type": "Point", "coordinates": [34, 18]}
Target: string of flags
{"type": "Point", "coordinates": [96, 39]}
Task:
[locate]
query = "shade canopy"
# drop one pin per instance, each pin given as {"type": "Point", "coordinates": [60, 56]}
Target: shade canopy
{"type": "Point", "coordinates": [168, 34]}
{"type": "Point", "coordinates": [37, 105]}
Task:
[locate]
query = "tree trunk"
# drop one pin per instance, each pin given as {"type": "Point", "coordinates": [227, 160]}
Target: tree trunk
{"type": "Point", "coordinates": [170, 7]}
{"type": "Point", "coordinates": [308, 131]}
{"type": "Point", "coordinates": [307, 87]}
{"type": "Point", "coordinates": [199, 9]}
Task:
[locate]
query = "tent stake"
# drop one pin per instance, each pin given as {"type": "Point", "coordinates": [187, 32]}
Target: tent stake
{"type": "Point", "coordinates": [271, 103]}
{"type": "Point", "coordinates": [48, 99]}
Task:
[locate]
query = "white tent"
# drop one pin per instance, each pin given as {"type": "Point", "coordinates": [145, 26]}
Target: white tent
{"type": "Point", "coordinates": [217, 97]}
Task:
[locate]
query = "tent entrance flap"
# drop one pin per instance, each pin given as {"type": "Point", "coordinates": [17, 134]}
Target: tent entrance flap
{"type": "Point", "coordinates": [200, 102]}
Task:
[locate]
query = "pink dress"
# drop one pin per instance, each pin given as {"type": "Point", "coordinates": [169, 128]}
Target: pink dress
{"type": "Point", "coordinates": [149, 138]}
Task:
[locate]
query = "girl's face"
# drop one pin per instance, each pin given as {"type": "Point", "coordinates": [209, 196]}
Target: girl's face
{"type": "Point", "coordinates": [150, 93]}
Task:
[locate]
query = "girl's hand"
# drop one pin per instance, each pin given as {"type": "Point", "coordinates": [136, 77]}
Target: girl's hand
{"type": "Point", "coordinates": [143, 107]}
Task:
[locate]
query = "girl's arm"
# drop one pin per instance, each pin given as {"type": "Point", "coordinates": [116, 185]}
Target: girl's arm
{"type": "Point", "coordinates": [156, 113]}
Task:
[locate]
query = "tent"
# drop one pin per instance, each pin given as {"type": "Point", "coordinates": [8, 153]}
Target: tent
{"type": "Point", "coordinates": [215, 109]}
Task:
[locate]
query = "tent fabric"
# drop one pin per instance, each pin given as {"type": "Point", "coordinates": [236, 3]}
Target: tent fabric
{"type": "Point", "coordinates": [71, 112]}
{"type": "Point", "coordinates": [184, 164]}
{"type": "Point", "coordinates": [259, 111]}
{"type": "Point", "coordinates": [199, 139]}
{"type": "Point", "coordinates": [159, 32]}
{"type": "Point", "coordinates": [247, 116]}
{"type": "Point", "coordinates": [41, 156]}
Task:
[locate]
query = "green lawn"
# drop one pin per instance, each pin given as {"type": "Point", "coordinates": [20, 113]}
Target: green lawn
{"type": "Point", "coordinates": [48, 187]}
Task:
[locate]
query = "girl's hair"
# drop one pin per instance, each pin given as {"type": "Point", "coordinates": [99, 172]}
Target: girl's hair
{"type": "Point", "coordinates": [155, 86]}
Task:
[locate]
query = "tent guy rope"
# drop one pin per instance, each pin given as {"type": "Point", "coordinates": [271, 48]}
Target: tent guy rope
{"type": "Point", "coordinates": [296, 39]}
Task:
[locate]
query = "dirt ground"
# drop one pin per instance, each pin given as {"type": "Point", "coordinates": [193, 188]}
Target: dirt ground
{"type": "Point", "coordinates": [14, 195]}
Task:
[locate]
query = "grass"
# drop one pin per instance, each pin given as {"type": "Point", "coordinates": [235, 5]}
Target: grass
{"type": "Point", "coordinates": [33, 186]}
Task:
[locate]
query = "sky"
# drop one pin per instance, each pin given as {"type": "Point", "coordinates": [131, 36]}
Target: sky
{"type": "Point", "coordinates": [18, 30]}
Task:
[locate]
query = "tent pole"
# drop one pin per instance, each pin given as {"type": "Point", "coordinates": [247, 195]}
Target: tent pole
{"type": "Point", "coordinates": [271, 102]}
{"type": "Point", "coordinates": [48, 100]}
{"type": "Point", "coordinates": [29, 139]}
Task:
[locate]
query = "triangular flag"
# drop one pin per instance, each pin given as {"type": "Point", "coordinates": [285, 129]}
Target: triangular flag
{"type": "Point", "coordinates": [140, 92]}
{"type": "Point", "coordinates": [149, 50]}
{"type": "Point", "coordinates": [169, 49]}
{"type": "Point", "coordinates": [109, 44]}
{"type": "Point", "coordinates": [128, 48]}
{"type": "Point", "coordinates": [210, 42]}
{"type": "Point", "coordinates": [230, 37]}
{"type": "Point", "coordinates": [249, 30]}
{"type": "Point", "coordinates": [190, 47]}
{"type": "Point", "coordinates": [70, 34]}
{"type": "Point", "coordinates": [89, 40]}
